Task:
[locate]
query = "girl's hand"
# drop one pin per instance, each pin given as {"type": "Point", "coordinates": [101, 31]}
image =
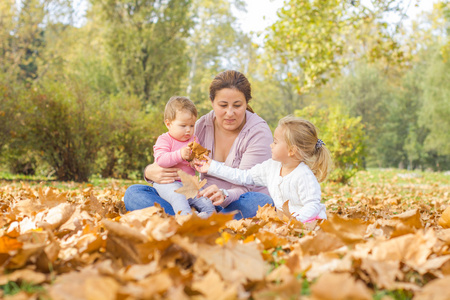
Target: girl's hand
{"type": "Point", "coordinates": [213, 193]}
{"type": "Point", "coordinates": [202, 166]}
{"type": "Point", "coordinates": [161, 175]}
{"type": "Point", "coordinates": [186, 153]}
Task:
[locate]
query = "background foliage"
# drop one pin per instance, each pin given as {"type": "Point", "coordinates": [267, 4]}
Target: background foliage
{"type": "Point", "coordinates": [83, 97]}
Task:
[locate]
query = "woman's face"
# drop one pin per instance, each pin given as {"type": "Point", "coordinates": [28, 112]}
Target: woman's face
{"type": "Point", "coordinates": [229, 105]}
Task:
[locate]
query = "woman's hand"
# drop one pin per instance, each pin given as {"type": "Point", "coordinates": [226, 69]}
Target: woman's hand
{"type": "Point", "coordinates": [213, 193]}
{"type": "Point", "coordinates": [202, 166]}
{"type": "Point", "coordinates": [161, 175]}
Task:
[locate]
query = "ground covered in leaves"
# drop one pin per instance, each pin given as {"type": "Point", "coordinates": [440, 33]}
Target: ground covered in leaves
{"type": "Point", "coordinates": [384, 239]}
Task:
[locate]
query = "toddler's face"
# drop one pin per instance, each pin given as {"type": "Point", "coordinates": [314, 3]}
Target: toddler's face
{"type": "Point", "coordinates": [182, 128]}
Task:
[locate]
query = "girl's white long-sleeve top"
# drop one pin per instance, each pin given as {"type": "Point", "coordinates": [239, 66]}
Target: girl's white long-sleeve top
{"type": "Point", "coordinates": [300, 186]}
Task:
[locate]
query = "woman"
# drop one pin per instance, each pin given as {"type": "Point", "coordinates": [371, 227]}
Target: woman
{"type": "Point", "coordinates": [235, 135]}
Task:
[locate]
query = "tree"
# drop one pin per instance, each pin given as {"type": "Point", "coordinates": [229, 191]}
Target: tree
{"type": "Point", "coordinates": [317, 38]}
{"type": "Point", "coordinates": [343, 136]}
{"type": "Point", "coordinates": [435, 111]}
{"type": "Point", "coordinates": [146, 43]}
{"type": "Point", "coordinates": [365, 92]}
{"type": "Point", "coordinates": [215, 43]}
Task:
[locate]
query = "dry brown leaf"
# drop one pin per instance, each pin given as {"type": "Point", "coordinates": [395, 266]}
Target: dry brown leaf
{"type": "Point", "coordinates": [198, 151]}
{"type": "Point", "coordinates": [51, 197]}
{"type": "Point", "coordinates": [214, 288]}
{"type": "Point", "coordinates": [412, 249]}
{"type": "Point", "coordinates": [284, 211]}
{"type": "Point", "coordinates": [316, 266]}
{"type": "Point", "coordinates": [87, 284]}
{"type": "Point", "coordinates": [191, 185]}
{"type": "Point", "coordinates": [235, 262]}
{"type": "Point", "coordinates": [339, 286]}
{"type": "Point", "coordinates": [383, 273]}
{"type": "Point", "coordinates": [139, 272]}
{"type": "Point", "coordinates": [349, 230]}
{"type": "Point", "coordinates": [322, 242]}
{"type": "Point", "coordinates": [23, 275]}
{"type": "Point", "coordinates": [59, 215]}
{"type": "Point", "coordinates": [444, 220]}
{"type": "Point", "coordinates": [410, 218]}
{"type": "Point", "coordinates": [437, 289]}
{"type": "Point", "coordinates": [125, 232]}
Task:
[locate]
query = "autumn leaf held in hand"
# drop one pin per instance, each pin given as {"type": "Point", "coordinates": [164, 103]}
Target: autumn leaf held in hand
{"type": "Point", "coordinates": [198, 151]}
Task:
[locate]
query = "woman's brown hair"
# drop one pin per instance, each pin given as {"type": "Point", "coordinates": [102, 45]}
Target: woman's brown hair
{"type": "Point", "coordinates": [231, 79]}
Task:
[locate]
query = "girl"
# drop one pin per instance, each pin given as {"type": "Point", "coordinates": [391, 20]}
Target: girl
{"type": "Point", "coordinates": [299, 162]}
{"type": "Point", "coordinates": [171, 150]}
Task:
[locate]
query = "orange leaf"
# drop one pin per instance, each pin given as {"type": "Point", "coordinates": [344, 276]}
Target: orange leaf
{"type": "Point", "coordinates": [9, 244]}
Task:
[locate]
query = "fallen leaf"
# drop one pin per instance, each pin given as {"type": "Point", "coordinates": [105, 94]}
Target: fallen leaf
{"type": "Point", "coordinates": [349, 230]}
{"type": "Point", "coordinates": [382, 273]}
{"type": "Point", "coordinates": [8, 244]}
{"type": "Point", "coordinates": [124, 231]}
{"type": "Point", "coordinates": [339, 286]}
{"type": "Point", "coordinates": [23, 275]}
{"type": "Point", "coordinates": [436, 290]}
{"type": "Point", "coordinates": [191, 185]}
{"type": "Point", "coordinates": [59, 215]}
{"type": "Point", "coordinates": [213, 287]}
{"type": "Point", "coordinates": [444, 220]}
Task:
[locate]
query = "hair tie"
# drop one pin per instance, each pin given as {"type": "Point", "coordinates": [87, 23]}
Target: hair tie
{"type": "Point", "coordinates": [319, 144]}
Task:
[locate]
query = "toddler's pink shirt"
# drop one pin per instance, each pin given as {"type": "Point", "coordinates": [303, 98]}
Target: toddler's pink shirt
{"type": "Point", "coordinates": [167, 153]}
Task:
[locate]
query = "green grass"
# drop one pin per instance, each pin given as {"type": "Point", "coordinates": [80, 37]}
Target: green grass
{"type": "Point", "coordinates": [375, 176]}
{"type": "Point", "coordinates": [399, 176]}
{"type": "Point", "coordinates": [12, 288]}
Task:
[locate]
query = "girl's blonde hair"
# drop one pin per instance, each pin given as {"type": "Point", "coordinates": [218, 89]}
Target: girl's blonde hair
{"type": "Point", "coordinates": [302, 135]}
{"type": "Point", "coordinates": [178, 103]}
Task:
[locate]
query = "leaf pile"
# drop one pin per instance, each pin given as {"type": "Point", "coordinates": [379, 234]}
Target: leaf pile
{"type": "Point", "coordinates": [79, 244]}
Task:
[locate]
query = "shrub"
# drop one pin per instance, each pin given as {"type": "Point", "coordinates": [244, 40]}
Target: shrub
{"type": "Point", "coordinates": [343, 135]}
{"type": "Point", "coordinates": [130, 135]}
{"type": "Point", "coordinates": [64, 124]}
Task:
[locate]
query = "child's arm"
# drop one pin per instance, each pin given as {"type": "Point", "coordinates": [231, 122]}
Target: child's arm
{"type": "Point", "coordinates": [219, 170]}
{"type": "Point", "coordinates": [310, 211]}
{"type": "Point", "coordinates": [163, 156]}
{"type": "Point", "coordinates": [308, 205]}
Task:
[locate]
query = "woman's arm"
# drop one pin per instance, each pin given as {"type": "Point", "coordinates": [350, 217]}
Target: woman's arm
{"type": "Point", "coordinates": [155, 173]}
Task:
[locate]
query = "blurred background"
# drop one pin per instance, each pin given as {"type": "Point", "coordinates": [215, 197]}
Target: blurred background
{"type": "Point", "coordinates": [83, 83]}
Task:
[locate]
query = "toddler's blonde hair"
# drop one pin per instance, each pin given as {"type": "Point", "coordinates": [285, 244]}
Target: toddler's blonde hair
{"type": "Point", "coordinates": [178, 103]}
{"type": "Point", "coordinates": [302, 136]}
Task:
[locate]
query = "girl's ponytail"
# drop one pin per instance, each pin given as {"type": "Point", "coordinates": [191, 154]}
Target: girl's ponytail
{"type": "Point", "coordinates": [321, 163]}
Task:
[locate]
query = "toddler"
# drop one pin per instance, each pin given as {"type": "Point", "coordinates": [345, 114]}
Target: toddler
{"type": "Point", "coordinates": [171, 150]}
{"type": "Point", "coordinates": [299, 162]}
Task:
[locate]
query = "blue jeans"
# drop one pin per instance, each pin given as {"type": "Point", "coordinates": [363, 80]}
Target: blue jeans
{"type": "Point", "coordinates": [140, 196]}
